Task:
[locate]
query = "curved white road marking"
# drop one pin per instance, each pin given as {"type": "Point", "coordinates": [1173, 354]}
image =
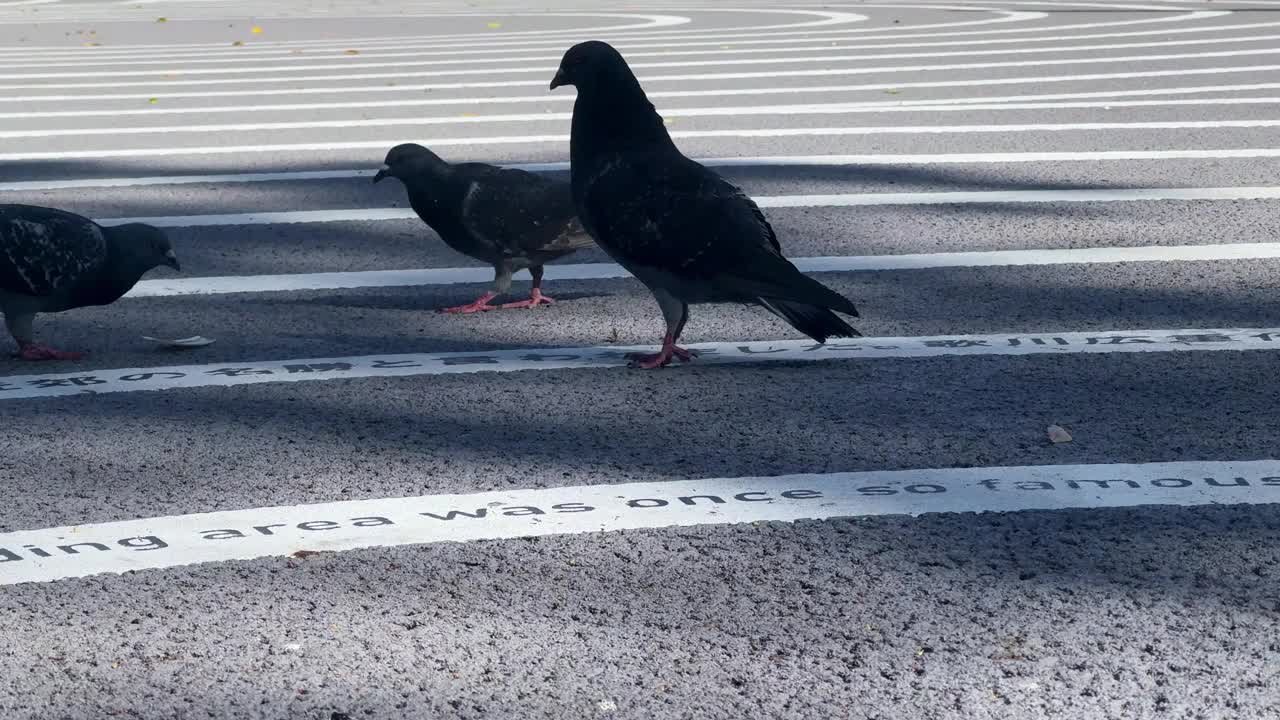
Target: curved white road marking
{"type": "Point", "coordinates": [825, 18]}
{"type": "Point", "coordinates": [646, 21]}
{"type": "Point", "coordinates": [174, 541]}
{"type": "Point", "coordinates": [740, 161]}
{"type": "Point", "coordinates": [1145, 194]}
{"type": "Point", "coordinates": [234, 284]}
{"type": "Point", "coordinates": [541, 63]}
{"type": "Point", "coordinates": [1041, 100]}
{"type": "Point", "coordinates": [674, 113]}
{"type": "Point", "coordinates": [98, 56]}
{"type": "Point", "coordinates": [461, 57]}
{"type": "Point", "coordinates": [682, 134]}
{"type": "Point", "coordinates": [1007, 17]}
{"type": "Point", "coordinates": [86, 381]}
{"type": "Point", "coordinates": [822, 72]}
{"type": "Point", "coordinates": [917, 106]}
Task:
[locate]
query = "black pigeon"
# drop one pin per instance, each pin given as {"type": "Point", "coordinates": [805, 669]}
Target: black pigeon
{"type": "Point", "coordinates": [681, 229]}
{"type": "Point", "coordinates": [51, 260]}
{"type": "Point", "coordinates": [509, 218]}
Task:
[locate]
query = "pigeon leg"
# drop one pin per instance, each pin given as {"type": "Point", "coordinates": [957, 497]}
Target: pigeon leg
{"type": "Point", "coordinates": [501, 283]}
{"type": "Point", "coordinates": [36, 351]}
{"type": "Point", "coordinates": [20, 327]}
{"type": "Point", "coordinates": [480, 305]}
{"type": "Point", "coordinates": [536, 297]}
{"type": "Point", "coordinates": [676, 313]}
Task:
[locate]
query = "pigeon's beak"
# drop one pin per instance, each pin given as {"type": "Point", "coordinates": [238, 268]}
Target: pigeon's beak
{"type": "Point", "coordinates": [559, 79]}
{"type": "Point", "coordinates": [171, 259]}
{"type": "Point", "coordinates": [384, 172]}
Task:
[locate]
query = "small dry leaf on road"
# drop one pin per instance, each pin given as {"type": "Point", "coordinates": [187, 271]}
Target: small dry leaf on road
{"type": "Point", "coordinates": [303, 554]}
{"type": "Point", "coordinates": [255, 30]}
{"type": "Point", "coordinates": [495, 25]}
{"type": "Point", "coordinates": [1058, 434]}
{"type": "Point", "coordinates": [352, 52]}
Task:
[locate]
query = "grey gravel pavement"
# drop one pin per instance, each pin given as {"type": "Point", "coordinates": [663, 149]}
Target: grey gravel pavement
{"type": "Point", "coordinates": [190, 109]}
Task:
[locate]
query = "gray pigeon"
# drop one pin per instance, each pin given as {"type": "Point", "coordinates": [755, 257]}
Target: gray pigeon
{"type": "Point", "coordinates": [508, 218]}
{"type": "Point", "coordinates": [681, 229]}
{"type": "Point", "coordinates": [51, 260]}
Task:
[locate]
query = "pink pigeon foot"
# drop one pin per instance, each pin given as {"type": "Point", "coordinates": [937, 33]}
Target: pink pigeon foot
{"type": "Point", "coordinates": [536, 298]}
{"type": "Point", "coordinates": [646, 361]}
{"type": "Point", "coordinates": [35, 351]}
{"type": "Point", "coordinates": [480, 305]}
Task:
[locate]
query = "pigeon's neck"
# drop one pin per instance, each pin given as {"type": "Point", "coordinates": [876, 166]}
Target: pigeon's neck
{"type": "Point", "coordinates": [427, 193]}
{"type": "Point", "coordinates": [620, 120]}
{"type": "Point", "coordinates": [117, 276]}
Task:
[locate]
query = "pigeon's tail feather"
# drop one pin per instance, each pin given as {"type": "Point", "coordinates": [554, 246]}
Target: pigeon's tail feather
{"type": "Point", "coordinates": [779, 281]}
{"type": "Point", "coordinates": [801, 287]}
{"type": "Point", "coordinates": [817, 322]}
{"type": "Point", "coordinates": [579, 240]}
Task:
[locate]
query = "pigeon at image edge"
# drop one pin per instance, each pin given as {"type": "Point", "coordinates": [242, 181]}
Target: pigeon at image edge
{"type": "Point", "coordinates": [52, 260]}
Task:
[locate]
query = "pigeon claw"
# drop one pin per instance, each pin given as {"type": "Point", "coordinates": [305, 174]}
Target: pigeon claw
{"type": "Point", "coordinates": [36, 352]}
{"type": "Point", "coordinates": [662, 358]}
{"type": "Point", "coordinates": [480, 305]}
{"type": "Point", "coordinates": [683, 354]}
{"type": "Point", "coordinates": [536, 298]}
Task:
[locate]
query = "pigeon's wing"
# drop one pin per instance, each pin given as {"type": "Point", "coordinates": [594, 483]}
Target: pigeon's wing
{"type": "Point", "coordinates": [675, 215]}
{"type": "Point", "coordinates": [44, 251]}
{"type": "Point", "coordinates": [523, 213]}
{"type": "Point", "coordinates": [679, 217]}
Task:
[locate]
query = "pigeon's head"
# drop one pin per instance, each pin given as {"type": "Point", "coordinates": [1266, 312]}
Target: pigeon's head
{"type": "Point", "coordinates": [147, 246]}
{"type": "Point", "coordinates": [590, 64]}
{"type": "Point", "coordinates": [407, 161]}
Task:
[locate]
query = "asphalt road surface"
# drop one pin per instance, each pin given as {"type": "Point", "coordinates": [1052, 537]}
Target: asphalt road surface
{"type": "Point", "coordinates": [1051, 214]}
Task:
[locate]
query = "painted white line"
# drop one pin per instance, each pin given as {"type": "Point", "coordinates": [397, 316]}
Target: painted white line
{"type": "Point", "coordinates": [99, 56]}
{"type": "Point", "coordinates": [561, 36]}
{"type": "Point", "coordinates": [229, 178]}
{"type": "Point", "coordinates": [750, 91]}
{"type": "Point", "coordinates": [338, 59]}
{"type": "Point", "coordinates": [558, 117]}
{"type": "Point", "coordinates": [1001, 16]}
{"type": "Point", "coordinates": [764, 201]}
{"type": "Point", "coordinates": [540, 63]}
{"type": "Point", "coordinates": [1004, 17]}
{"type": "Point", "coordinates": [1006, 102]}
{"type": "Point", "coordinates": [250, 372]}
{"type": "Point", "coordinates": [679, 134]}
{"type": "Point", "coordinates": [1023, 196]}
{"type": "Point", "coordinates": [616, 34]}
{"type": "Point", "coordinates": [164, 542]}
{"type": "Point", "coordinates": [686, 77]}
{"type": "Point", "coordinates": [170, 287]}
{"type": "Point", "coordinates": [269, 218]}
{"type": "Point", "coordinates": [747, 161]}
